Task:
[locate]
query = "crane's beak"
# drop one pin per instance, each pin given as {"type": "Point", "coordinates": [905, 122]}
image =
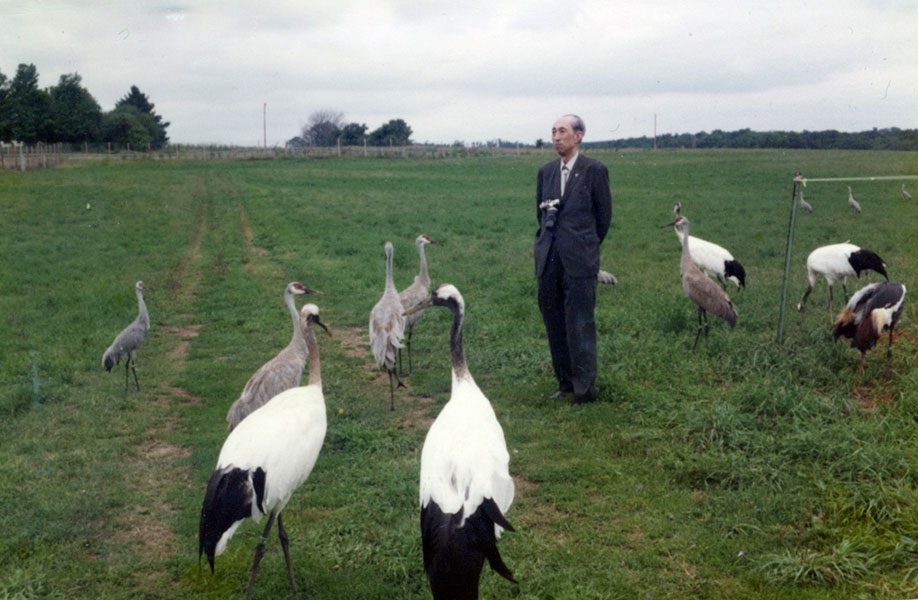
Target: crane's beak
{"type": "Point", "coordinates": [419, 307]}
{"type": "Point", "coordinates": [318, 322]}
{"type": "Point", "coordinates": [312, 291]}
{"type": "Point", "coordinates": [670, 224]}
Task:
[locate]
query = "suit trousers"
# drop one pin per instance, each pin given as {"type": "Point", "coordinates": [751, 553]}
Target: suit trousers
{"type": "Point", "coordinates": [567, 305]}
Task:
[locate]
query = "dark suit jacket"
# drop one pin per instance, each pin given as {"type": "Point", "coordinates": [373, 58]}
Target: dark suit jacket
{"type": "Point", "coordinates": [583, 218]}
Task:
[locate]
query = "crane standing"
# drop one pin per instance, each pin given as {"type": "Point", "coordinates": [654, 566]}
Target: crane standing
{"type": "Point", "coordinates": [282, 372]}
{"type": "Point", "coordinates": [465, 485]}
{"type": "Point", "coordinates": [836, 262]}
{"type": "Point", "coordinates": [700, 289]}
{"type": "Point", "coordinates": [264, 460]}
{"type": "Point", "coordinates": [716, 261]}
{"type": "Point", "coordinates": [905, 193]}
{"type": "Point", "coordinates": [415, 294]}
{"type": "Point", "coordinates": [387, 328]}
{"type": "Point", "coordinates": [804, 204]}
{"type": "Point", "coordinates": [129, 340]}
{"type": "Point", "coordinates": [852, 202]}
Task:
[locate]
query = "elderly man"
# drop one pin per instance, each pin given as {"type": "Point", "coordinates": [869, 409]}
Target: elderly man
{"type": "Point", "coordinates": [574, 210]}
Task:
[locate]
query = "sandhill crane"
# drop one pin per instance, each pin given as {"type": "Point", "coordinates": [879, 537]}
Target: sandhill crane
{"type": "Point", "coordinates": [715, 261]}
{"type": "Point", "coordinates": [871, 310]}
{"type": "Point", "coordinates": [606, 278]}
{"type": "Point", "coordinates": [129, 340]}
{"type": "Point", "coordinates": [465, 486]}
{"type": "Point", "coordinates": [804, 204]}
{"type": "Point", "coordinates": [387, 327]}
{"type": "Point", "coordinates": [707, 295]}
{"type": "Point", "coordinates": [282, 372]}
{"type": "Point", "coordinates": [838, 261]}
{"type": "Point", "coordinates": [415, 294]}
{"type": "Point", "coordinates": [264, 460]}
{"type": "Point", "coordinates": [852, 202]}
{"type": "Point", "coordinates": [905, 193]}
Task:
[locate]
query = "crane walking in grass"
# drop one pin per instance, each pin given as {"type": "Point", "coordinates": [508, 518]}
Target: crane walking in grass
{"type": "Point", "coordinates": [264, 460]}
{"type": "Point", "coordinates": [836, 262]}
{"type": "Point", "coordinates": [716, 261]}
{"type": "Point", "coordinates": [129, 340]}
{"type": "Point", "coordinates": [465, 487]}
{"type": "Point", "coordinates": [282, 372]}
{"type": "Point", "coordinates": [411, 296]}
{"type": "Point", "coordinates": [701, 289]}
{"type": "Point", "coordinates": [852, 202]}
{"type": "Point", "coordinates": [387, 328]}
{"type": "Point", "coordinates": [872, 310]}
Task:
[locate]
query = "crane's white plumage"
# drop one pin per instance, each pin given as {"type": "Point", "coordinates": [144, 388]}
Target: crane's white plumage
{"type": "Point", "coordinates": [872, 310]}
{"type": "Point", "coordinates": [282, 372]}
{"type": "Point", "coordinates": [387, 328]}
{"type": "Point", "coordinates": [129, 340]}
{"type": "Point", "coordinates": [265, 459]}
{"type": "Point", "coordinates": [414, 295]}
{"type": "Point", "coordinates": [836, 262]}
{"type": "Point", "coordinates": [715, 261]}
{"type": "Point", "coordinates": [465, 484]}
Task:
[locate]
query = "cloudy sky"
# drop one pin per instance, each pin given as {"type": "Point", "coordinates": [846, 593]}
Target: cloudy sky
{"type": "Point", "coordinates": [477, 70]}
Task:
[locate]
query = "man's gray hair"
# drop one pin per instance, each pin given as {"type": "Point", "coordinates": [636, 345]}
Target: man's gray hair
{"type": "Point", "coordinates": [577, 123]}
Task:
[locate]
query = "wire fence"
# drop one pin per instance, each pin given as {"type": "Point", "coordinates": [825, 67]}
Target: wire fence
{"type": "Point", "coordinates": [40, 156]}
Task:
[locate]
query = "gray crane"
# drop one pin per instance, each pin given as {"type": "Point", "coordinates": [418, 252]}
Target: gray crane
{"type": "Point", "coordinates": [905, 193]}
{"type": "Point", "coordinates": [387, 328]}
{"type": "Point", "coordinates": [129, 340]}
{"type": "Point", "coordinates": [282, 372]}
{"type": "Point", "coordinates": [852, 202]}
{"type": "Point", "coordinates": [707, 295]}
{"type": "Point", "coordinates": [414, 295]}
{"type": "Point", "coordinates": [804, 204]}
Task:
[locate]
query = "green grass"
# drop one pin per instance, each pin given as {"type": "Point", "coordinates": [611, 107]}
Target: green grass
{"type": "Point", "coordinates": [744, 470]}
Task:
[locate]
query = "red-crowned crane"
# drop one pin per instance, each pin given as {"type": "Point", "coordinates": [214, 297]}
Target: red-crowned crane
{"type": "Point", "coordinates": [129, 340]}
{"type": "Point", "coordinates": [715, 261]}
{"type": "Point", "coordinates": [415, 294]}
{"type": "Point", "coordinates": [282, 372]}
{"type": "Point", "coordinates": [905, 193]}
{"type": "Point", "coordinates": [387, 328]}
{"type": "Point", "coordinates": [852, 202]}
{"type": "Point", "coordinates": [264, 460]}
{"type": "Point", "coordinates": [465, 487]}
{"type": "Point", "coordinates": [836, 262]}
{"type": "Point", "coordinates": [872, 310]}
{"type": "Point", "coordinates": [700, 289]}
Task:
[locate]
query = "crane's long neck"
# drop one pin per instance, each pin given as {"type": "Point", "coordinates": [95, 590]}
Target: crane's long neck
{"type": "Point", "coordinates": [686, 259]}
{"type": "Point", "coordinates": [142, 309]}
{"type": "Point", "coordinates": [390, 285]}
{"type": "Point", "coordinates": [422, 275]}
{"type": "Point", "coordinates": [297, 338]}
{"type": "Point", "coordinates": [456, 352]}
{"type": "Point", "coordinates": [315, 371]}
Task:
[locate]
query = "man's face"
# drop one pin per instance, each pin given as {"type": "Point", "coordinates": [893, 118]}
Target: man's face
{"type": "Point", "coordinates": [564, 138]}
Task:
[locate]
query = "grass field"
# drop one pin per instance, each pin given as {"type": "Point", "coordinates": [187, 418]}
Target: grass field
{"type": "Point", "coordinates": [745, 470]}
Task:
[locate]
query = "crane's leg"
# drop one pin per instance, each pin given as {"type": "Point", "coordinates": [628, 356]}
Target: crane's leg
{"type": "Point", "coordinates": [889, 346]}
{"type": "Point", "coordinates": [845, 290]}
{"type": "Point", "coordinates": [706, 326]}
{"type": "Point", "coordinates": [401, 371]}
{"type": "Point", "coordinates": [700, 326]}
{"type": "Point", "coordinates": [802, 305]}
{"type": "Point", "coordinates": [259, 552]}
{"type": "Point", "coordinates": [829, 305]}
{"type": "Point", "coordinates": [127, 365]}
{"type": "Point", "coordinates": [722, 283]}
{"type": "Point", "coordinates": [134, 370]}
{"type": "Point", "coordinates": [408, 342]}
{"type": "Point", "coordinates": [285, 544]}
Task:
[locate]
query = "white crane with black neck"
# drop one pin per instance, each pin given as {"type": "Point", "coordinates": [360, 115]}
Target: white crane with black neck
{"type": "Point", "coordinates": [716, 261]}
{"type": "Point", "coordinates": [129, 340]}
{"type": "Point", "coordinates": [282, 372]}
{"type": "Point", "coordinates": [264, 460]}
{"type": "Point", "coordinates": [836, 262]}
{"type": "Point", "coordinates": [465, 486]}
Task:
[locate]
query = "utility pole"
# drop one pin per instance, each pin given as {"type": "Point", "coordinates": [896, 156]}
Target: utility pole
{"type": "Point", "coordinates": [654, 131]}
{"type": "Point", "coordinates": [264, 124]}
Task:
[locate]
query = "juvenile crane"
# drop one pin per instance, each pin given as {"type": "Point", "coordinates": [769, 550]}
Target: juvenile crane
{"type": "Point", "coordinates": [129, 340]}
{"type": "Point", "coordinates": [264, 460]}
{"type": "Point", "coordinates": [413, 295]}
{"type": "Point", "coordinates": [836, 262]}
{"type": "Point", "coordinates": [282, 372]}
{"type": "Point", "coordinates": [387, 328]}
{"type": "Point", "coordinates": [700, 289]}
{"type": "Point", "coordinates": [852, 202]}
{"type": "Point", "coordinates": [872, 310]}
{"type": "Point", "coordinates": [465, 487]}
{"type": "Point", "coordinates": [715, 261]}
{"type": "Point", "coordinates": [905, 193]}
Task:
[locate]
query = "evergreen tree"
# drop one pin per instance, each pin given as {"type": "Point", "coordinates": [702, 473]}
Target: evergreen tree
{"type": "Point", "coordinates": [139, 100]}
{"type": "Point", "coordinates": [75, 115]}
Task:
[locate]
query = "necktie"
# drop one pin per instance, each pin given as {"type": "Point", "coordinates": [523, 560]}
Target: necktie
{"type": "Point", "coordinates": [564, 173]}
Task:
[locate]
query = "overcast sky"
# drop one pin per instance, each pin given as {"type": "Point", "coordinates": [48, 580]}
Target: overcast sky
{"type": "Point", "coordinates": [477, 70]}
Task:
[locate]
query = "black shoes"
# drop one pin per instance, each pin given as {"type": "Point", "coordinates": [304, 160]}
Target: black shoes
{"type": "Point", "coordinates": [585, 398]}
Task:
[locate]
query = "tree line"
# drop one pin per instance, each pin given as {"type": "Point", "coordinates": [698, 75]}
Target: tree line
{"type": "Point", "coordinates": [68, 113]}
{"type": "Point", "coordinates": [327, 128]}
{"type": "Point", "coordinates": [891, 138]}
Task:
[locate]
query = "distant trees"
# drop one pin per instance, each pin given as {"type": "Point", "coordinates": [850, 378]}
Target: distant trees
{"type": "Point", "coordinates": [68, 113]}
{"type": "Point", "coordinates": [326, 127]}
{"type": "Point", "coordinates": [394, 133]}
